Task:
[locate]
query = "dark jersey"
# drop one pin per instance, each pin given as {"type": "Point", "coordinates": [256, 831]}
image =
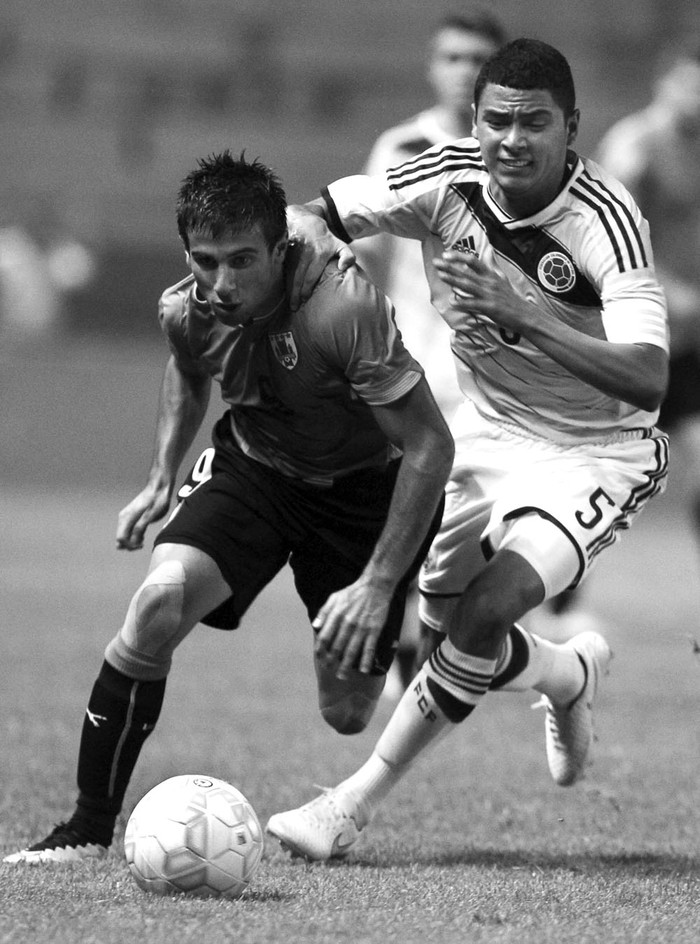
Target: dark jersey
{"type": "Point", "coordinates": [300, 384]}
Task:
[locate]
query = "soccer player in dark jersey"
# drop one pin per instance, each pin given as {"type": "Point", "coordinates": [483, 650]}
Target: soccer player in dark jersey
{"type": "Point", "coordinates": [541, 264]}
{"type": "Point", "coordinates": [331, 456]}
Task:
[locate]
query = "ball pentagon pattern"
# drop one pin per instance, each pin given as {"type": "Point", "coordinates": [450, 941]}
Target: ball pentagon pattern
{"type": "Point", "coordinates": [193, 834]}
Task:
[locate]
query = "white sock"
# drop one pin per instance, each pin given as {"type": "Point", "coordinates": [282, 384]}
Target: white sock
{"type": "Point", "coordinates": [416, 723]}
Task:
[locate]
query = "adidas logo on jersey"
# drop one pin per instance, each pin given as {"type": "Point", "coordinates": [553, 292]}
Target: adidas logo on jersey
{"type": "Point", "coordinates": [466, 245]}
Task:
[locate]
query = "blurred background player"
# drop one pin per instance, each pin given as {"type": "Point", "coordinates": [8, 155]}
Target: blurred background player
{"type": "Point", "coordinates": [43, 268]}
{"type": "Point", "coordinates": [655, 152]}
{"type": "Point", "coordinates": [457, 49]}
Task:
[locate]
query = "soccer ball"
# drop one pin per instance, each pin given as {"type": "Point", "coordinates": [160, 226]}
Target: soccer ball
{"type": "Point", "coordinates": [193, 834]}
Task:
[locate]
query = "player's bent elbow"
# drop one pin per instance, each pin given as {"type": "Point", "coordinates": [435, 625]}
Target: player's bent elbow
{"type": "Point", "coordinates": [442, 453]}
{"type": "Point", "coordinates": [650, 381]}
{"type": "Point", "coordinates": [650, 398]}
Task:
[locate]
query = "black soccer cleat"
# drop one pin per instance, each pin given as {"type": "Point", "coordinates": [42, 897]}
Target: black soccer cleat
{"type": "Point", "coordinates": [64, 845]}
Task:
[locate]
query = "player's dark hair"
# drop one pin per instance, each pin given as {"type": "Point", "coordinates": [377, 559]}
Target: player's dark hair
{"type": "Point", "coordinates": [474, 20]}
{"type": "Point", "coordinates": [529, 64]}
{"type": "Point", "coordinates": [225, 194]}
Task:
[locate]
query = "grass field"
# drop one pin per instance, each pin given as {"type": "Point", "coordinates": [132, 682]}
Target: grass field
{"type": "Point", "coordinates": [477, 845]}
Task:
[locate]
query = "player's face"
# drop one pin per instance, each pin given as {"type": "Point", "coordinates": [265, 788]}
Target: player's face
{"type": "Point", "coordinates": [238, 275]}
{"type": "Point", "coordinates": [455, 61]}
{"type": "Point", "coordinates": [524, 136]}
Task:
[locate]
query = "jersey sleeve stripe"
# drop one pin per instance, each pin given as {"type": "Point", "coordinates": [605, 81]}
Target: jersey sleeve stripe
{"type": "Point", "coordinates": [597, 186]}
{"type": "Point", "coordinates": [616, 219]}
{"type": "Point", "coordinates": [334, 221]}
{"type": "Point", "coordinates": [433, 163]}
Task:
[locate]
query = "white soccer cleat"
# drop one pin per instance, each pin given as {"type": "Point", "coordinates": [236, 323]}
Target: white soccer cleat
{"type": "Point", "coordinates": [569, 728]}
{"type": "Point", "coordinates": [63, 846]}
{"type": "Point", "coordinates": [325, 828]}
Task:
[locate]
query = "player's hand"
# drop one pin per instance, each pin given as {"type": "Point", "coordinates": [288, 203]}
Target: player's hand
{"type": "Point", "coordinates": [149, 505]}
{"type": "Point", "coordinates": [480, 289]}
{"type": "Point", "coordinates": [348, 627]}
{"type": "Point", "coordinates": [313, 246]}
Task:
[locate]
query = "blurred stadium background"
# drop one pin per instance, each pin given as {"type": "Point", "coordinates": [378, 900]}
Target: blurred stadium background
{"type": "Point", "coordinates": [104, 107]}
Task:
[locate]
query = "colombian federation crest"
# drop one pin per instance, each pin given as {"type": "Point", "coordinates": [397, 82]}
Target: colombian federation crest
{"type": "Point", "coordinates": [284, 349]}
{"type": "Point", "coordinates": [556, 272]}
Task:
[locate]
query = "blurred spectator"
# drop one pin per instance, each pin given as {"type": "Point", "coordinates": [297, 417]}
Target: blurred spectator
{"type": "Point", "coordinates": [656, 154]}
{"type": "Point", "coordinates": [457, 49]}
{"type": "Point", "coordinates": [41, 266]}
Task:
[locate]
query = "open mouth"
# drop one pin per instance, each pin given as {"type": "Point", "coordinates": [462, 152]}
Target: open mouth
{"type": "Point", "coordinates": [514, 163]}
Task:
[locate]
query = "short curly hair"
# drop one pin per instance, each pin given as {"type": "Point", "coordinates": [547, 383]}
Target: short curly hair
{"type": "Point", "coordinates": [529, 64]}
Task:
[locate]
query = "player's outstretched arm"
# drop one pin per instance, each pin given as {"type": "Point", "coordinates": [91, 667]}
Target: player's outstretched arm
{"type": "Point", "coordinates": [315, 245]}
{"type": "Point", "coordinates": [351, 620]}
{"type": "Point", "coordinates": [182, 406]}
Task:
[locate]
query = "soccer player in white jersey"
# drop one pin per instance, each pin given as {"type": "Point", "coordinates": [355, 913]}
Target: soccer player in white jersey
{"type": "Point", "coordinates": [541, 264]}
{"type": "Point", "coordinates": [331, 456]}
{"type": "Point", "coordinates": [458, 47]}
{"type": "Point", "coordinates": [655, 152]}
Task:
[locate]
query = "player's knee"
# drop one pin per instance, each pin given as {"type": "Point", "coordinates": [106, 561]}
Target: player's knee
{"type": "Point", "coordinates": [343, 721]}
{"type": "Point", "coordinates": [349, 715]}
{"type": "Point", "coordinates": [156, 611]}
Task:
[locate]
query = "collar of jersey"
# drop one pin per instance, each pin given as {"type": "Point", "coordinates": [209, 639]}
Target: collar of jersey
{"type": "Point", "coordinates": [574, 167]}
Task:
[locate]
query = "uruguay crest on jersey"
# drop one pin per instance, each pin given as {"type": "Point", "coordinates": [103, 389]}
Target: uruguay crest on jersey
{"type": "Point", "coordinates": [284, 349]}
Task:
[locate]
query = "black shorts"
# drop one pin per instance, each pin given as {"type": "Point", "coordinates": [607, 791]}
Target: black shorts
{"type": "Point", "coordinates": [683, 396]}
{"type": "Point", "coordinates": [252, 520]}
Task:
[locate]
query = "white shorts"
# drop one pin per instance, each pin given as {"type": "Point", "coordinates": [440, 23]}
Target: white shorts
{"type": "Point", "coordinates": [558, 506]}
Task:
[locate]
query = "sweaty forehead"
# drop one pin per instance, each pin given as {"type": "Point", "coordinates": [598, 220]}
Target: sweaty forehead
{"type": "Point", "coordinates": [505, 99]}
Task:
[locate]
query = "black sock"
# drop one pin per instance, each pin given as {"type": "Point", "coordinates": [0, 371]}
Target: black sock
{"type": "Point", "coordinates": [452, 708]}
{"type": "Point", "coordinates": [121, 714]}
{"type": "Point", "coordinates": [520, 656]}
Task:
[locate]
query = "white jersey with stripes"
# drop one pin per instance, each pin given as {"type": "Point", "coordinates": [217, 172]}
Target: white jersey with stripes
{"type": "Point", "coordinates": [586, 258]}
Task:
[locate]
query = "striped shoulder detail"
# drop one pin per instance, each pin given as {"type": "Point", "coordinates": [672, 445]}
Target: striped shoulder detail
{"type": "Point", "coordinates": [616, 218]}
{"type": "Point", "coordinates": [432, 163]}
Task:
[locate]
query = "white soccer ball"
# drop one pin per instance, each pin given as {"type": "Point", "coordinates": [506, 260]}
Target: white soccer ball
{"type": "Point", "coordinates": [193, 834]}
